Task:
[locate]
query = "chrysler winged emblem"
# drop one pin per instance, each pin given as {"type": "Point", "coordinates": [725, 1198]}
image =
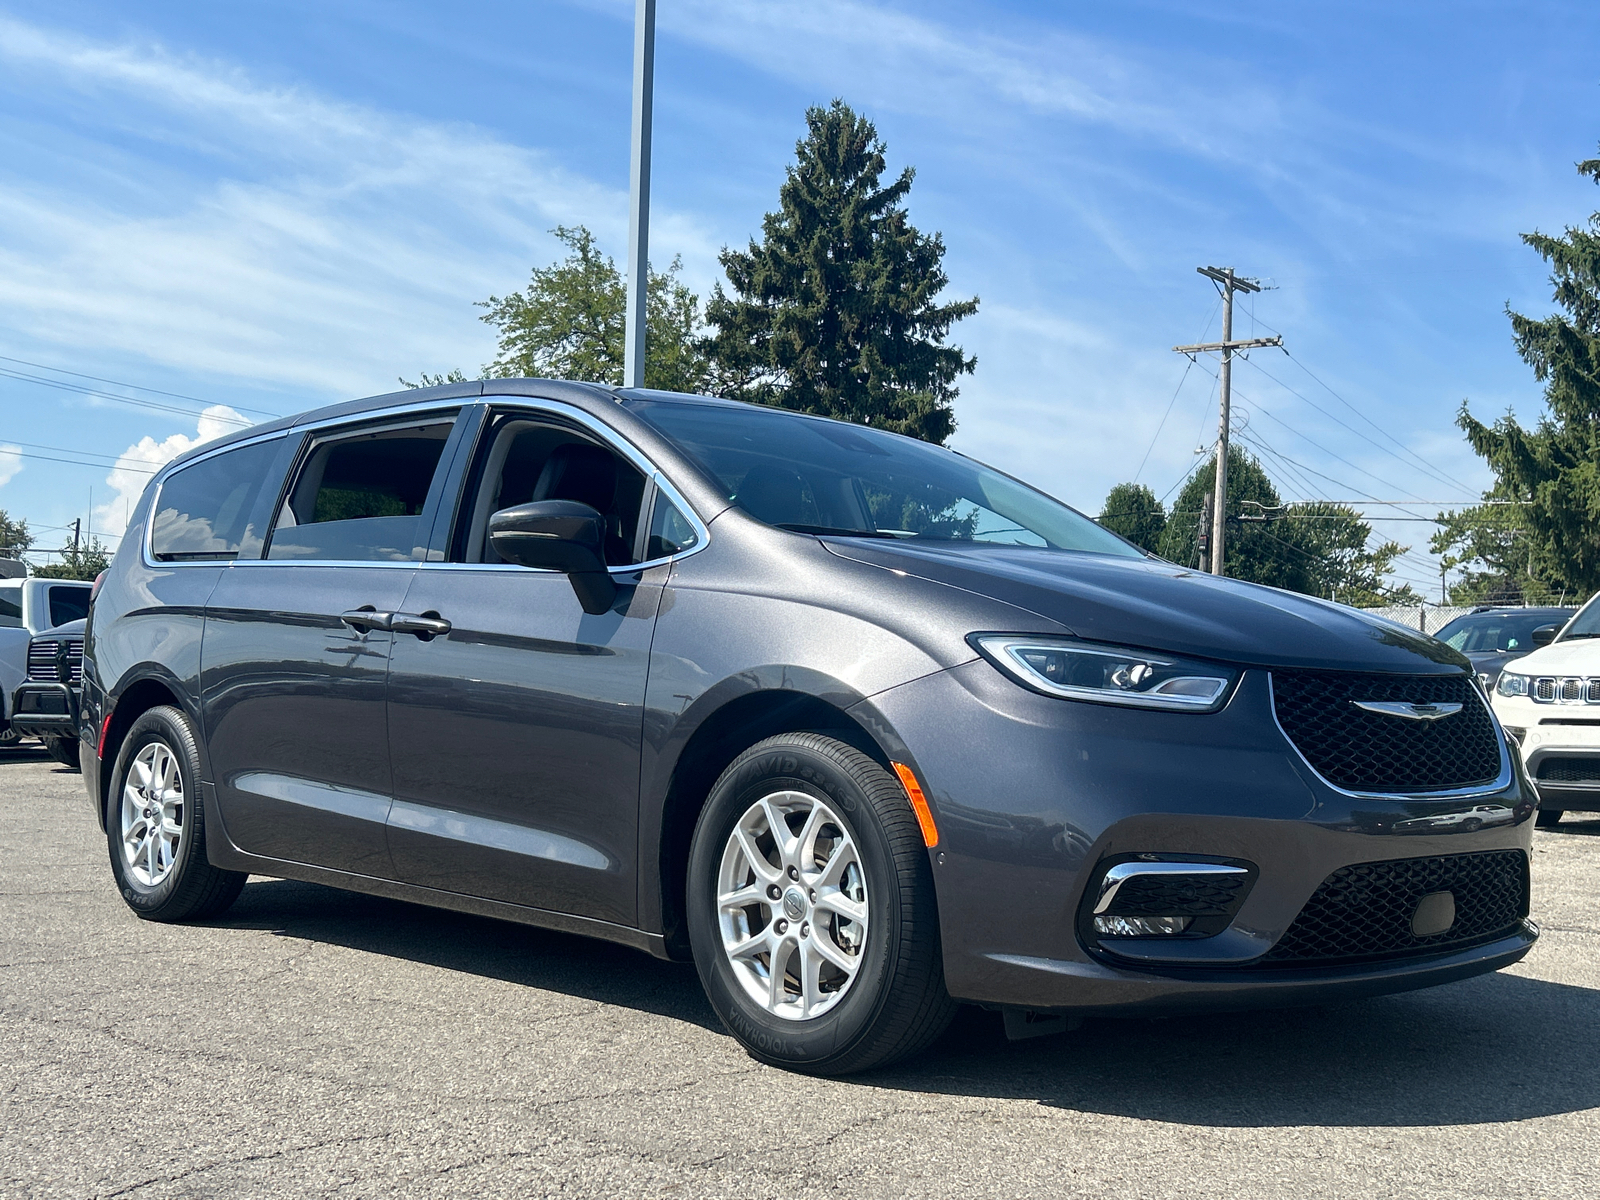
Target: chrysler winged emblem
{"type": "Point", "coordinates": [1408, 710]}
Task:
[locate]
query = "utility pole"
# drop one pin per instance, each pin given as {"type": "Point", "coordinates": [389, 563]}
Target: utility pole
{"type": "Point", "coordinates": [1228, 282]}
{"type": "Point", "coordinates": [77, 522]}
{"type": "Point", "coordinates": [644, 72]}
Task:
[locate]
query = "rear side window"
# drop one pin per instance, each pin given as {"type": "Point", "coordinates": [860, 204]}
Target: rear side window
{"type": "Point", "coordinates": [203, 512]}
{"type": "Point", "coordinates": [68, 604]}
{"type": "Point", "coordinates": [11, 605]}
{"type": "Point", "coordinates": [358, 497]}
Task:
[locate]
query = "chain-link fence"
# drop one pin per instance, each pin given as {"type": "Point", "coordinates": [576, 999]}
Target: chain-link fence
{"type": "Point", "coordinates": [1427, 618]}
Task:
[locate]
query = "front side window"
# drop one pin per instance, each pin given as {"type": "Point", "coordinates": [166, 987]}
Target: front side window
{"type": "Point", "coordinates": [670, 531]}
{"type": "Point", "coordinates": [358, 497]}
{"type": "Point", "coordinates": [813, 475]}
{"type": "Point", "coordinates": [527, 460]}
{"type": "Point", "coordinates": [203, 511]}
{"type": "Point", "coordinates": [68, 604]}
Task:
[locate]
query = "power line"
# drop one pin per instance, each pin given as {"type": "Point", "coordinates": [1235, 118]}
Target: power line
{"type": "Point", "coordinates": [1205, 329]}
{"type": "Point", "coordinates": [60, 385]}
{"type": "Point", "coordinates": [138, 387]}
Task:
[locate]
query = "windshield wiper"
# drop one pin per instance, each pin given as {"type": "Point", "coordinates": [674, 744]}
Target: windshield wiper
{"type": "Point", "coordinates": [834, 531]}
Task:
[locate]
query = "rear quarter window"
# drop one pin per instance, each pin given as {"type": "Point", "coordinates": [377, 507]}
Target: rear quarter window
{"type": "Point", "coordinates": [68, 604]}
{"type": "Point", "coordinates": [203, 511]}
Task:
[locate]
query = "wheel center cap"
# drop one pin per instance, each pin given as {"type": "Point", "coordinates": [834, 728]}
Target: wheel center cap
{"type": "Point", "coordinates": [794, 904]}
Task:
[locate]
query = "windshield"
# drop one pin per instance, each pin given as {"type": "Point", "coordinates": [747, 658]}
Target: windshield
{"type": "Point", "coordinates": [1586, 624]}
{"type": "Point", "coordinates": [813, 475]}
{"type": "Point", "coordinates": [1492, 632]}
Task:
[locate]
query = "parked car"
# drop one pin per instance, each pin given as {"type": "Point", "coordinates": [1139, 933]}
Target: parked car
{"type": "Point", "coordinates": [862, 727]}
{"type": "Point", "coordinates": [45, 705]}
{"type": "Point", "coordinates": [1549, 702]}
{"type": "Point", "coordinates": [29, 606]}
{"type": "Point", "coordinates": [1493, 635]}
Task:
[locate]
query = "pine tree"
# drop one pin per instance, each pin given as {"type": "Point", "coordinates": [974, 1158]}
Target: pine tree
{"type": "Point", "coordinates": [1553, 471]}
{"type": "Point", "coordinates": [835, 310]}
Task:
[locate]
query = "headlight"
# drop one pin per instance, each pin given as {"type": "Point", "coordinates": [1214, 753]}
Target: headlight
{"type": "Point", "coordinates": [1511, 684]}
{"type": "Point", "coordinates": [1077, 670]}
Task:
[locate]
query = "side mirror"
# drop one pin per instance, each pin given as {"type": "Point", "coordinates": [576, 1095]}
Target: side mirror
{"type": "Point", "coordinates": [558, 535]}
{"type": "Point", "coordinates": [1545, 634]}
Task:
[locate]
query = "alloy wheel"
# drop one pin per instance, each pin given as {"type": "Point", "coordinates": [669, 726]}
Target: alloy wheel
{"type": "Point", "coordinates": [152, 814]}
{"type": "Point", "coordinates": [792, 905]}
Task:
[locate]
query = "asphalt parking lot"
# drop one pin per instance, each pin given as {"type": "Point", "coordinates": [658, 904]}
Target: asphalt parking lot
{"type": "Point", "coordinates": [315, 1042]}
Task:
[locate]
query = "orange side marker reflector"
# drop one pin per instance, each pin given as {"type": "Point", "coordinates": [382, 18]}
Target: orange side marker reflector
{"type": "Point", "coordinates": [919, 804]}
{"type": "Point", "coordinates": [100, 751]}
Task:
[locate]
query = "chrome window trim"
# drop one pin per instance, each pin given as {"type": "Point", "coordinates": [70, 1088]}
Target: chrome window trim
{"type": "Point", "coordinates": [147, 535]}
{"type": "Point", "coordinates": [1499, 784]}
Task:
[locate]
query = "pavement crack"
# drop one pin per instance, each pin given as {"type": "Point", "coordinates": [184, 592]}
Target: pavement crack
{"type": "Point", "coordinates": [240, 1159]}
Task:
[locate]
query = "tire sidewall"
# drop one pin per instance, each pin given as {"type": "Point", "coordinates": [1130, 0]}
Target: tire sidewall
{"type": "Point", "coordinates": [166, 726]}
{"type": "Point", "coordinates": [772, 1039]}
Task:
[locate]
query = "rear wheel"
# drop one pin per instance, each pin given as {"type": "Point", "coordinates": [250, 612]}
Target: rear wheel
{"type": "Point", "coordinates": [155, 825]}
{"type": "Point", "coordinates": [1548, 818]}
{"type": "Point", "coordinates": [811, 909]}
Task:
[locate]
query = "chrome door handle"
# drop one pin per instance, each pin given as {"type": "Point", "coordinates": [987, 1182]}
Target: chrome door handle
{"type": "Point", "coordinates": [365, 619]}
{"type": "Point", "coordinates": [424, 625]}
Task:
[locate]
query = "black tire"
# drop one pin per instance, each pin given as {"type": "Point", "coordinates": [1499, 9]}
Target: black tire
{"type": "Point", "coordinates": [1472, 824]}
{"type": "Point", "coordinates": [188, 887]}
{"type": "Point", "coordinates": [63, 750]}
{"type": "Point", "coordinates": [1548, 818]}
{"type": "Point", "coordinates": [895, 1004]}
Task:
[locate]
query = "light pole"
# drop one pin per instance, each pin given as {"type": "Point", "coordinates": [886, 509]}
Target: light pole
{"type": "Point", "coordinates": [644, 70]}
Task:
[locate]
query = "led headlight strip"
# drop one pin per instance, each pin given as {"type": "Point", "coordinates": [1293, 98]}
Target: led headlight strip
{"type": "Point", "coordinates": [1093, 671]}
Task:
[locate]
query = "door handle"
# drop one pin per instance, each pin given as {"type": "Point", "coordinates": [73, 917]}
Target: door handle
{"type": "Point", "coordinates": [425, 625]}
{"type": "Point", "coordinates": [366, 618]}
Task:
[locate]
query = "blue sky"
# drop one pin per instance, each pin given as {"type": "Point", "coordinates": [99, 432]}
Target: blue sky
{"type": "Point", "coordinates": [273, 206]}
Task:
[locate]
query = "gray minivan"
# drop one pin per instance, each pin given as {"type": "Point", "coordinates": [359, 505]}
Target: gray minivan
{"type": "Point", "coordinates": [861, 726]}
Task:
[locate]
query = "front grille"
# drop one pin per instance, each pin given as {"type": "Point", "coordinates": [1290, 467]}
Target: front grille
{"type": "Point", "coordinates": [1570, 770]}
{"type": "Point", "coordinates": [1544, 690]}
{"type": "Point", "coordinates": [1372, 752]}
{"type": "Point", "coordinates": [42, 660]}
{"type": "Point", "coordinates": [1364, 911]}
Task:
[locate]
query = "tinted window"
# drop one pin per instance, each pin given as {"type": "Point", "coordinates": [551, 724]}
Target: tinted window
{"type": "Point", "coordinates": [68, 604]}
{"type": "Point", "coordinates": [670, 530]}
{"type": "Point", "coordinates": [358, 498]}
{"type": "Point", "coordinates": [11, 605]}
{"type": "Point", "coordinates": [1586, 624]}
{"type": "Point", "coordinates": [818, 476]}
{"type": "Point", "coordinates": [203, 511]}
{"type": "Point", "coordinates": [534, 460]}
{"type": "Point", "coordinates": [1488, 633]}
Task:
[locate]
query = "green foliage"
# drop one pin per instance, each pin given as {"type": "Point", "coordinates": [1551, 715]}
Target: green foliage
{"type": "Point", "coordinates": [1554, 469]}
{"type": "Point", "coordinates": [834, 311]}
{"type": "Point", "coordinates": [453, 375]}
{"type": "Point", "coordinates": [1132, 510]}
{"type": "Point", "coordinates": [570, 323]}
{"type": "Point", "coordinates": [1491, 549]}
{"type": "Point", "coordinates": [14, 536]}
{"type": "Point", "coordinates": [85, 562]}
{"type": "Point", "coordinates": [1318, 549]}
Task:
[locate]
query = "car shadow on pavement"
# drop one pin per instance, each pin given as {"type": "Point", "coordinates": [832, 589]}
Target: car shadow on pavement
{"type": "Point", "coordinates": [1582, 824]}
{"type": "Point", "coordinates": [1497, 1048]}
{"type": "Point", "coordinates": [1500, 1047]}
{"type": "Point", "coordinates": [502, 950]}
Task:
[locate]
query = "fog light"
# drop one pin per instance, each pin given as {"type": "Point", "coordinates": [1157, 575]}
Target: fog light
{"type": "Point", "coordinates": [1113, 926]}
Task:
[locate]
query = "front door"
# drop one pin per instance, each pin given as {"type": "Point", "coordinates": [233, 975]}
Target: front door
{"type": "Point", "coordinates": [515, 735]}
{"type": "Point", "coordinates": [296, 652]}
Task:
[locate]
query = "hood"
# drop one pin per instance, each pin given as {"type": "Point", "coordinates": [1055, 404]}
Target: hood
{"type": "Point", "coordinates": [1580, 656]}
{"type": "Point", "coordinates": [65, 629]}
{"type": "Point", "coordinates": [1159, 606]}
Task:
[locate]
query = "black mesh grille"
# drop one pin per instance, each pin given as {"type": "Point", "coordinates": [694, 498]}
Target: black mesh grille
{"type": "Point", "coordinates": [1179, 895]}
{"type": "Point", "coordinates": [42, 660]}
{"type": "Point", "coordinates": [1570, 770]}
{"type": "Point", "coordinates": [1364, 911]}
{"type": "Point", "coordinates": [1371, 752]}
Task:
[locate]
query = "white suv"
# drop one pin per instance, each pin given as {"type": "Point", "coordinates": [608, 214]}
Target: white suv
{"type": "Point", "coordinates": [1549, 702]}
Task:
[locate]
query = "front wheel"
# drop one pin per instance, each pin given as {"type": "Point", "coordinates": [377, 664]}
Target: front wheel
{"type": "Point", "coordinates": [1548, 818]}
{"type": "Point", "coordinates": [155, 825]}
{"type": "Point", "coordinates": [63, 750]}
{"type": "Point", "coordinates": [811, 909]}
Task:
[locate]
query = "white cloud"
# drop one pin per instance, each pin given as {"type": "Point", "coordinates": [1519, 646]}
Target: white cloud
{"type": "Point", "coordinates": [140, 461]}
{"type": "Point", "coordinates": [10, 463]}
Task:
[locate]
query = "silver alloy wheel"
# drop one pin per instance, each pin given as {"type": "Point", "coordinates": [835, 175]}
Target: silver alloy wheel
{"type": "Point", "coordinates": [152, 814]}
{"type": "Point", "coordinates": [792, 905]}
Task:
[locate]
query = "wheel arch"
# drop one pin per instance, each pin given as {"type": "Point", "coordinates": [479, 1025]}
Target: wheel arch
{"type": "Point", "coordinates": [724, 731]}
{"type": "Point", "coordinates": [134, 697]}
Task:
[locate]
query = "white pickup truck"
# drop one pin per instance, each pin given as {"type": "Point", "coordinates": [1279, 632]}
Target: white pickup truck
{"type": "Point", "coordinates": [27, 607]}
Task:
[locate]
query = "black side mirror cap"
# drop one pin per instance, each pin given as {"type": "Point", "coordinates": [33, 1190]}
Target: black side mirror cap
{"type": "Point", "coordinates": [1545, 634]}
{"type": "Point", "coordinates": [558, 535]}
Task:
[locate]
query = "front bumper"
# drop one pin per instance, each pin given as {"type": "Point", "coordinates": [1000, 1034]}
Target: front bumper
{"type": "Point", "coordinates": [1032, 795]}
{"type": "Point", "coordinates": [45, 710]}
{"type": "Point", "coordinates": [1546, 731]}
